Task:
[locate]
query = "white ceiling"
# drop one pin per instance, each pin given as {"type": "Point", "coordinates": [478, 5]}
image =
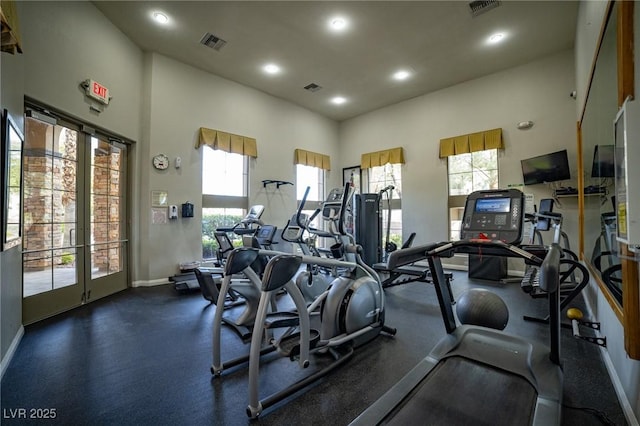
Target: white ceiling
{"type": "Point", "coordinates": [439, 42]}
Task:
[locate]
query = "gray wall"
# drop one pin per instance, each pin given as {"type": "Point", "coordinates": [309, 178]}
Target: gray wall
{"type": "Point", "coordinates": [11, 98]}
{"type": "Point", "coordinates": [183, 99]}
{"type": "Point", "coordinates": [538, 91]}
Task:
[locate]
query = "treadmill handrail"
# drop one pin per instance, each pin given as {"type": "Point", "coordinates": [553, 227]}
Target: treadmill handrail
{"type": "Point", "coordinates": [509, 249]}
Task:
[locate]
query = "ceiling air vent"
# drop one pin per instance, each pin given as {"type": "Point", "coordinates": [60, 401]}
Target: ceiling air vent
{"type": "Point", "coordinates": [212, 41]}
{"type": "Point", "coordinates": [479, 7]}
{"type": "Point", "coordinates": [312, 87]}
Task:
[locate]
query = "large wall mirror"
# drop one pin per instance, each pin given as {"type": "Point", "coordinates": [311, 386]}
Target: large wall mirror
{"type": "Point", "coordinates": [600, 245]}
{"type": "Point", "coordinates": [599, 248]}
{"type": "Point", "coordinates": [12, 141]}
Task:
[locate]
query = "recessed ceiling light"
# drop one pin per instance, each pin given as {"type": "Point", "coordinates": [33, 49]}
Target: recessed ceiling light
{"type": "Point", "coordinates": [160, 17]}
{"type": "Point", "coordinates": [271, 69]}
{"type": "Point", "coordinates": [338, 23]}
{"type": "Point", "coordinates": [338, 100]}
{"type": "Point", "coordinates": [401, 75]}
{"type": "Point", "coordinates": [495, 38]}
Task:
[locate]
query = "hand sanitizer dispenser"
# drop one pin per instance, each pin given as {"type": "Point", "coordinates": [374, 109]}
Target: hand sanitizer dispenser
{"type": "Point", "coordinates": [173, 212]}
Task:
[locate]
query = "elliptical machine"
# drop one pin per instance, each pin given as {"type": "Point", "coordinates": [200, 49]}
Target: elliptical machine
{"type": "Point", "coordinates": [352, 313]}
{"type": "Point", "coordinates": [315, 279]}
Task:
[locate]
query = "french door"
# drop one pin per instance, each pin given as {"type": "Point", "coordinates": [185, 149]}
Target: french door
{"type": "Point", "coordinates": [75, 216]}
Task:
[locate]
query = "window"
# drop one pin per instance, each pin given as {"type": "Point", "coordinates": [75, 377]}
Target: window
{"type": "Point", "coordinates": [309, 176]}
{"type": "Point", "coordinates": [224, 195]}
{"type": "Point", "coordinates": [214, 218]}
{"type": "Point", "coordinates": [312, 177]}
{"type": "Point", "coordinates": [377, 179]}
{"type": "Point", "coordinates": [224, 173]}
{"type": "Point", "coordinates": [467, 173]}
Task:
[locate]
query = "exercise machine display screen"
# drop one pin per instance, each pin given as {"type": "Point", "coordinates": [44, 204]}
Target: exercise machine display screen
{"type": "Point", "coordinates": [332, 205]}
{"type": "Point", "coordinates": [494, 215]}
{"type": "Point", "coordinates": [493, 205]}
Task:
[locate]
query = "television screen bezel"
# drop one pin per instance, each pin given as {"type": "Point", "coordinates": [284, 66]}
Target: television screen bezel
{"type": "Point", "coordinates": [564, 172]}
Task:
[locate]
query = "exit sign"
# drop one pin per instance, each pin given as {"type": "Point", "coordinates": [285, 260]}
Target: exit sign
{"type": "Point", "coordinates": [97, 91]}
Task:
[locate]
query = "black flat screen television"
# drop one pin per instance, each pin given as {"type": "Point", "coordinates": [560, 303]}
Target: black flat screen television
{"type": "Point", "coordinates": [546, 168]}
{"type": "Point", "coordinates": [603, 164]}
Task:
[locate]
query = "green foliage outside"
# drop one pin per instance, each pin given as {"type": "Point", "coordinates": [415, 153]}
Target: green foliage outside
{"type": "Point", "coordinates": [212, 222]}
{"type": "Point", "coordinates": [473, 171]}
{"type": "Point", "coordinates": [396, 239]}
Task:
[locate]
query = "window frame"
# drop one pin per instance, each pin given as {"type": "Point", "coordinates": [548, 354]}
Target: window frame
{"type": "Point", "coordinates": [456, 202]}
{"type": "Point", "coordinates": [396, 201]}
{"type": "Point", "coordinates": [311, 205]}
{"type": "Point", "coordinates": [216, 201]}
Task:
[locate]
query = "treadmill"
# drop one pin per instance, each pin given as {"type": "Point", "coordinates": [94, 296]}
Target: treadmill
{"type": "Point", "coordinates": [477, 375]}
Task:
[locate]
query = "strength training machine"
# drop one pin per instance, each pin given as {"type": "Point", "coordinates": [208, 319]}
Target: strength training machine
{"type": "Point", "coordinates": [402, 267]}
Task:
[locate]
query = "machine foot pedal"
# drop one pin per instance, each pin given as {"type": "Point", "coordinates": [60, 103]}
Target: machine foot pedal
{"type": "Point", "coordinates": [290, 345]}
{"type": "Point", "coordinates": [282, 319]}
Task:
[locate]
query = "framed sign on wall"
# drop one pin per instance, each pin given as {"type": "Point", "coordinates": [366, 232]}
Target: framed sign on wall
{"type": "Point", "coordinates": [12, 141]}
{"type": "Point", "coordinates": [352, 175]}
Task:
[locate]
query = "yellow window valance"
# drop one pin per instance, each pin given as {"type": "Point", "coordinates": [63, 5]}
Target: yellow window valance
{"type": "Point", "coordinates": [313, 159]}
{"type": "Point", "coordinates": [463, 144]}
{"type": "Point", "coordinates": [380, 158]}
{"type": "Point", "coordinates": [10, 30]}
{"type": "Point", "coordinates": [227, 142]}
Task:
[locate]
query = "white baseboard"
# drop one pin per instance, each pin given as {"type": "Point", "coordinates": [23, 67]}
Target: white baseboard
{"type": "Point", "coordinates": [629, 414]}
{"type": "Point", "coordinates": [150, 283]}
{"type": "Point", "coordinates": [632, 420]}
{"type": "Point", "coordinates": [11, 351]}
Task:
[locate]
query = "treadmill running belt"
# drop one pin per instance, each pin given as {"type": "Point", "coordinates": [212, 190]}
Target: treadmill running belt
{"type": "Point", "coordinates": [459, 391]}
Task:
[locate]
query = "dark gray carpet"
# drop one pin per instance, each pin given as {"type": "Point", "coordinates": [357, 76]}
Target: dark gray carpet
{"type": "Point", "coordinates": [142, 357]}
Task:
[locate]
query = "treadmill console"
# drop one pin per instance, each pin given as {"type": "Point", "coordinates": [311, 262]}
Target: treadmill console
{"type": "Point", "coordinates": [494, 215]}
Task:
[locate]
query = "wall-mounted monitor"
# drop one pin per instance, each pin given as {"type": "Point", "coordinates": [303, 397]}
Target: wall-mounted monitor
{"type": "Point", "coordinates": [546, 168]}
{"type": "Point", "coordinates": [603, 165]}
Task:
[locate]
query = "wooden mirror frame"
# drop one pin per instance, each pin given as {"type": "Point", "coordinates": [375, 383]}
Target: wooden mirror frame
{"type": "Point", "coordinates": [629, 312]}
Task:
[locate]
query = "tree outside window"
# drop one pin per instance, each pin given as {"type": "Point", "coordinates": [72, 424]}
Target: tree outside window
{"type": "Point", "coordinates": [467, 173]}
{"type": "Point", "coordinates": [381, 177]}
{"type": "Point", "coordinates": [224, 188]}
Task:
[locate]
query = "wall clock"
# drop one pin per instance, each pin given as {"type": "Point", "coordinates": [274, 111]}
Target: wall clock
{"type": "Point", "coordinates": [161, 161]}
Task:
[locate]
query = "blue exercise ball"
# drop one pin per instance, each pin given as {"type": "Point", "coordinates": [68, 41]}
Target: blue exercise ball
{"type": "Point", "coordinates": [482, 307]}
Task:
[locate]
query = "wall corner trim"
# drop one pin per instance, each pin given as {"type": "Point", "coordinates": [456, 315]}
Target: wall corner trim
{"type": "Point", "coordinates": [6, 360]}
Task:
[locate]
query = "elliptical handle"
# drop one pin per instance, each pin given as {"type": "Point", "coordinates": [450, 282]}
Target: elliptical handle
{"type": "Point", "coordinates": [301, 207]}
{"type": "Point", "coordinates": [313, 216]}
{"type": "Point", "coordinates": [343, 207]}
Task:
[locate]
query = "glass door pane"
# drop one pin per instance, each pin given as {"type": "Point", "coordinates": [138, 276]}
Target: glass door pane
{"type": "Point", "coordinates": [74, 245]}
{"type": "Point", "coordinates": [107, 239]}
{"type": "Point", "coordinates": [50, 253]}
